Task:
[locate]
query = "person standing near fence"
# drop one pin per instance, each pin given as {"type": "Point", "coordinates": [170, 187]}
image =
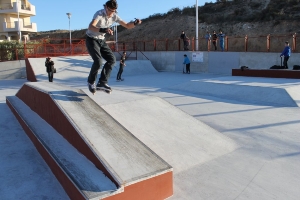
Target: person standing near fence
{"type": "Point", "coordinates": [221, 37]}
{"type": "Point", "coordinates": [122, 65]}
{"type": "Point", "coordinates": [286, 53]}
{"type": "Point", "coordinates": [183, 36]}
{"type": "Point", "coordinates": [49, 64]}
{"type": "Point", "coordinates": [186, 43]}
{"type": "Point", "coordinates": [97, 47]}
{"type": "Point", "coordinates": [208, 38]}
{"type": "Point", "coordinates": [214, 39]}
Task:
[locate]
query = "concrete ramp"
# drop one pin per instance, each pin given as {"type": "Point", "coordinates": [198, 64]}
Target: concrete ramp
{"type": "Point", "coordinates": [177, 137]}
{"type": "Point", "coordinates": [270, 92]}
{"type": "Point", "coordinates": [79, 176]}
{"type": "Point", "coordinates": [135, 169]}
{"type": "Point", "coordinates": [77, 68]}
{"type": "Point", "coordinates": [135, 67]}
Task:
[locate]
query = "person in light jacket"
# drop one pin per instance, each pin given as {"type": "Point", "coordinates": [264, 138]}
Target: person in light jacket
{"type": "Point", "coordinates": [286, 53]}
{"type": "Point", "coordinates": [187, 63]}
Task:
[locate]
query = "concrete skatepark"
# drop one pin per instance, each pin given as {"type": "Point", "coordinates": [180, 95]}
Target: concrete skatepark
{"type": "Point", "coordinates": [224, 137]}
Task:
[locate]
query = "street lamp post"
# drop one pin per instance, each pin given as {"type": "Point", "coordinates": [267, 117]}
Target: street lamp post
{"type": "Point", "coordinates": [116, 35]}
{"type": "Point", "coordinates": [19, 29]}
{"type": "Point", "coordinates": [69, 16]}
{"type": "Point", "coordinates": [197, 34]}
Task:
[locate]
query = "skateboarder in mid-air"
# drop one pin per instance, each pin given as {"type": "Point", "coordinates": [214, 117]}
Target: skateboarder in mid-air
{"type": "Point", "coordinates": [122, 65]}
{"type": "Point", "coordinates": [97, 47]}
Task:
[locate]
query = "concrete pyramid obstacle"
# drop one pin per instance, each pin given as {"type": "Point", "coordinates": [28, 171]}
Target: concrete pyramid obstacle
{"type": "Point", "coordinates": [90, 153]}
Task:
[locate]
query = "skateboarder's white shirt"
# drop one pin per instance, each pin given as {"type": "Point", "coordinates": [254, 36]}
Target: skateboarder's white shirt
{"type": "Point", "coordinates": [103, 22]}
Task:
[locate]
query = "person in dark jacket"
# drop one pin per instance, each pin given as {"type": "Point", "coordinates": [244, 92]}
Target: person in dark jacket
{"type": "Point", "coordinates": [49, 64]}
{"type": "Point", "coordinates": [122, 65]}
{"type": "Point", "coordinates": [186, 43]}
{"type": "Point", "coordinates": [286, 53]}
{"type": "Point", "coordinates": [185, 40]}
{"type": "Point", "coordinates": [214, 39]}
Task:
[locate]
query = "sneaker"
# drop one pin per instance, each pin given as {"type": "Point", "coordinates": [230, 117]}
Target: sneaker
{"type": "Point", "coordinates": [103, 86]}
{"type": "Point", "coordinates": [122, 79]}
{"type": "Point", "coordinates": [92, 87]}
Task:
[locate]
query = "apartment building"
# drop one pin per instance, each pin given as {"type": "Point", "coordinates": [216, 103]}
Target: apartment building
{"type": "Point", "coordinates": [15, 18]}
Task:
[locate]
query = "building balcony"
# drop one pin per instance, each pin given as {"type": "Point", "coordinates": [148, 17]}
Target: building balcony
{"type": "Point", "coordinates": [13, 8]}
{"type": "Point", "coordinates": [24, 28]}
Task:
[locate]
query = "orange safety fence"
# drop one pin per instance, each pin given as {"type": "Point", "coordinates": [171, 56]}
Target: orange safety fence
{"type": "Point", "coordinates": [62, 47]}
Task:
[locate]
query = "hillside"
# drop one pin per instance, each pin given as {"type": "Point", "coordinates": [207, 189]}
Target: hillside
{"type": "Point", "coordinates": [235, 18]}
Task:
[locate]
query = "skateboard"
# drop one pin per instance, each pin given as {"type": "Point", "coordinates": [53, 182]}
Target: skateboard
{"type": "Point", "coordinates": [120, 80]}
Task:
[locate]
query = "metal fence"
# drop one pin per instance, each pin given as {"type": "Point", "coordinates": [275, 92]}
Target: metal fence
{"type": "Point", "coordinates": [62, 47]}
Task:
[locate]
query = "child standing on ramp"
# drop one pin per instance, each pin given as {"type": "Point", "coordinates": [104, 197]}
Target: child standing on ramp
{"type": "Point", "coordinates": [97, 47]}
{"type": "Point", "coordinates": [122, 65]}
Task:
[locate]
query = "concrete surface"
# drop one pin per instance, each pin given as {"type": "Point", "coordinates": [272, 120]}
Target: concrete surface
{"type": "Point", "coordinates": [23, 172]}
{"type": "Point", "coordinates": [11, 70]}
{"type": "Point", "coordinates": [221, 146]}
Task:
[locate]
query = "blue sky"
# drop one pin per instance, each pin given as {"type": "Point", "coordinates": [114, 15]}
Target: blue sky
{"type": "Point", "coordinates": [51, 15]}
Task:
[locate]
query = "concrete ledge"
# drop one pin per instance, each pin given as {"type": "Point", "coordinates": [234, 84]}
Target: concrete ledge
{"type": "Point", "coordinates": [269, 73]}
{"type": "Point", "coordinates": [244, 89]}
{"type": "Point", "coordinates": [114, 150]}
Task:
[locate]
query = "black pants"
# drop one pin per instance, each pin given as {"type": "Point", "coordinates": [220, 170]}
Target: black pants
{"type": "Point", "coordinates": [215, 44]}
{"type": "Point", "coordinates": [285, 60]}
{"type": "Point", "coordinates": [185, 45]}
{"type": "Point", "coordinates": [50, 76]}
{"type": "Point", "coordinates": [98, 49]}
{"type": "Point", "coordinates": [187, 67]}
{"type": "Point", "coordinates": [120, 72]}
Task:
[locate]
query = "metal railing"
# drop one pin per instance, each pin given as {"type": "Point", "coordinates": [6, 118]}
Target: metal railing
{"type": "Point", "coordinates": [269, 43]}
{"type": "Point", "coordinates": [62, 47]}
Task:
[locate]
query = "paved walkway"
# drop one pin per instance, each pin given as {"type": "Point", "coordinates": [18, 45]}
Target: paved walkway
{"type": "Point", "coordinates": [246, 134]}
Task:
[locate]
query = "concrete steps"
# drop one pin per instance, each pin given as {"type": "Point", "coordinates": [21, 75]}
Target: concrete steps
{"type": "Point", "coordinates": [90, 153]}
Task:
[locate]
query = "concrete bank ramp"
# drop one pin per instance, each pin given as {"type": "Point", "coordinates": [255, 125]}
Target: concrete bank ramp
{"type": "Point", "coordinates": [177, 137]}
{"type": "Point", "coordinates": [126, 161]}
{"type": "Point", "coordinates": [260, 91]}
{"type": "Point", "coordinates": [91, 182]}
{"type": "Point", "coordinates": [78, 67]}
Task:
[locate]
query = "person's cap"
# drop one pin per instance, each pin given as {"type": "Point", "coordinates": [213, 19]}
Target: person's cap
{"type": "Point", "coordinates": [184, 55]}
